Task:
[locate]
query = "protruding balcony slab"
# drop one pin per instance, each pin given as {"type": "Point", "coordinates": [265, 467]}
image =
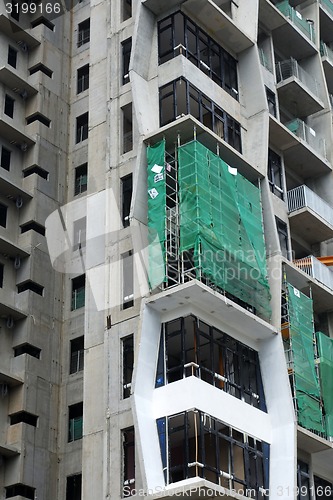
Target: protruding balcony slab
{"type": "Point", "coordinates": [201, 296]}
{"type": "Point", "coordinates": [14, 82]}
{"type": "Point", "coordinates": [310, 442]}
{"type": "Point", "coordinates": [8, 451]}
{"type": "Point", "coordinates": [16, 33]}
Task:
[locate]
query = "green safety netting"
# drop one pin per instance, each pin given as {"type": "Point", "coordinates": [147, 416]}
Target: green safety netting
{"type": "Point", "coordinates": [156, 213]}
{"type": "Point", "coordinates": [302, 344]}
{"type": "Point", "coordinates": [325, 348]}
{"type": "Point", "coordinates": [221, 222]}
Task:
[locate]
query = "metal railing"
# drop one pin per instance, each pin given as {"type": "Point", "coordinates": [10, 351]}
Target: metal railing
{"type": "Point", "coordinates": [302, 196]}
{"type": "Point", "coordinates": [264, 60]}
{"type": "Point", "coordinates": [326, 51]}
{"type": "Point", "coordinates": [327, 4]}
{"type": "Point", "coordinates": [289, 68]}
{"type": "Point", "coordinates": [314, 268]}
{"type": "Point", "coordinates": [307, 134]}
{"type": "Point", "coordinates": [297, 19]}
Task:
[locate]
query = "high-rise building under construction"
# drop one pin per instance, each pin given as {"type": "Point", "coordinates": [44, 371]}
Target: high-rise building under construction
{"type": "Point", "coordinates": [166, 249]}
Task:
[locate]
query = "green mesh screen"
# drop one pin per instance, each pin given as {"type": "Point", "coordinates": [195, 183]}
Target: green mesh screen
{"type": "Point", "coordinates": [156, 213]}
{"type": "Point", "coordinates": [325, 347]}
{"type": "Point", "coordinates": [306, 382]}
{"type": "Point", "coordinates": [221, 222]}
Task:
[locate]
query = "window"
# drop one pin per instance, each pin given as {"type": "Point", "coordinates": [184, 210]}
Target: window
{"type": "Point", "coordinates": [15, 12]}
{"type": "Point", "coordinates": [23, 417]}
{"type": "Point", "coordinates": [127, 128]}
{"type": "Point", "coordinates": [126, 198]}
{"type": "Point", "coordinates": [228, 457]}
{"type": "Point", "coordinates": [1, 275]}
{"type": "Point", "coordinates": [77, 355]}
{"type": "Point", "coordinates": [177, 34]}
{"type": "Point", "coordinates": [128, 461]}
{"type": "Point", "coordinates": [303, 481]}
{"type": "Point", "coordinates": [29, 349]}
{"type": "Point", "coordinates": [83, 33]}
{"type": "Point", "coordinates": [128, 360]}
{"type": "Point", "coordinates": [30, 286]}
{"type": "Point", "coordinates": [20, 490]}
{"type": "Point", "coordinates": [126, 47]}
{"type": "Point", "coordinates": [9, 106]}
{"type": "Point", "coordinates": [79, 233]}
{"type": "Point", "coordinates": [180, 98]}
{"type": "Point", "coordinates": [81, 128]}
{"type": "Point", "coordinates": [282, 230]}
{"type": "Point", "coordinates": [83, 78]}
{"type": "Point", "coordinates": [74, 487]}
{"type": "Point", "coordinates": [275, 175]}
{"type": "Point", "coordinates": [78, 292]}
{"type": "Point", "coordinates": [127, 264]}
{"type": "Point", "coordinates": [81, 175]}
{"type": "Point", "coordinates": [271, 100]}
{"type": "Point", "coordinates": [12, 56]}
{"type": "Point", "coordinates": [190, 347]}
{"type": "Point", "coordinates": [5, 158]}
{"type": "Point", "coordinates": [3, 215]}
{"type": "Point", "coordinates": [42, 68]}
{"type": "Point", "coordinates": [75, 422]}
{"type": "Point", "coordinates": [126, 9]}
{"type": "Point", "coordinates": [323, 488]}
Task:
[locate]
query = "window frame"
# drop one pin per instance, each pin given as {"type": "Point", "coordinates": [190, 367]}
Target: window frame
{"type": "Point", "coordinates": [9, 106]}
{"type": "Point", "coordinates": [127, 355]}
{"type": "Point", "coordinates": [81, 175]}
{"type": "Point", "coordinates": [82, 76]}
{"type": "Point", "coordinates": [75, 422]}
{"type": "Point", "coordinates": [275, 160]}
{"type": "Point", "coordinates": [78, 292]}
{"type": "Point", "coordinates": [12, 56]}
{"type": "Point", "coordinates": [126, 198]}
{"type": "Point", "coordinates": [83, 32]}
{"type": "Point", "coordinates": [76, 362]}
{"type": "Point", "coordinates": [82, 128]}
{"type": "Point", "coordinates": [126, 48]}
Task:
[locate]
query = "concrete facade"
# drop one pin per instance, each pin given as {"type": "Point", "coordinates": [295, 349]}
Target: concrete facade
{"type": "Point", "coordinates": [77, 315]}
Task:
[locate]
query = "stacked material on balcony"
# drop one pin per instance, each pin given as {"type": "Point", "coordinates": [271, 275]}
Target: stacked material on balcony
{"type": "Point", "coordinates": [306, 385]}
{"type": "Point", "coordinates": [221, 222]}
{"type": "Point", "coordinates": [325, 347]}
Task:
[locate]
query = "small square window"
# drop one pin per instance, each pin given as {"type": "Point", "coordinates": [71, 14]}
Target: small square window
{"type": "Point", "coordinates": [78, 292]}
{"type": "Point", "coordinates": [3, 215]}
{"type": "Point", "coordinates": [12, 56]}
{"type": "Point", "coordinates": [126, 198]}
{"type": "Point", "coordinates": [9, 106]}
{"type": "Point", "coordinates": [127, 126]}
{"type": "Point", "coordinates": [74, 487]}
{"type": "Point", "coordinates": [77, 355]}
{"type": "Point", "coordinates": [75, 422]}
{"type": "Point", "coordinates": [81, 177]}
{"type": "Point", "coordinates": [126, 54]}
{"type": "Point", "coordinates": [82, 78]}
{"type": "Point", "coordinates": [83, 33]}
{"type": "Point", "coordinates": [126, 9]}
{"type": "Point", "coordinates": [5, 158]}
{"type": "Point", "coordinates": [82, 128]}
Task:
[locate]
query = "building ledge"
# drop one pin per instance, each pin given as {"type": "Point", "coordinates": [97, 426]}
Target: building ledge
{"type": "Point", "coordinates": [13, 190]}
{"type": "Point", "coordinates": [201, 297]}
{"type": "Point", "coordinates": [8, 451]}
{"type": "Point", "coordinates": [189, 128]}
{"type": "Point", "coordinates": [196, 488]}
{"type": "Point", "coordinates": [14, 82]}
{"type": "Point", "coordinates": [310, 225]}
{"type": "Point", "coordinates": [16, 33]}
{"type": "Point", "coordinates": [13, 134]}
{"type": "Point", "coordinates": [310, 442]}
{"type": "Point", "coordinates": [8, 248]}
{"type": "Point", "coordinates": [10, 380]}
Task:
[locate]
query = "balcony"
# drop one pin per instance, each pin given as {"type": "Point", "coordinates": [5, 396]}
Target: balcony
{"type": "Point", "coordinates": [327, 5]}
{"type": "Point", "coordinates": [11, 78]}
{"type": "Point", "coordinates": [327, 59]}
{"type": "Point", "coordinates": [292, 34]}
{"type": "Point", "coordinates": [314, 268]}
{"type": "Point", "coordinates": [16, 32]}
{"type": "Point", "coordinates": [298, 90]}
{"type": "Point", "coordinates": [310, 216]}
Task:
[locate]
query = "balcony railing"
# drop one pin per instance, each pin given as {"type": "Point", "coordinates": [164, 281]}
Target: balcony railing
{"type": "Point", "coordinates": [289, 68]}
{"type": "Point", "coordinates": [328, 5]}
{"type": "Point", "coordinates": [307, 134]}
{"type": "Point", "coordinates": [297, 19]}
{"type": "Point", "coordinates": [314, 268]}
{"type": "Point", "coordinates": [303, 197]}
{"type": "Point", "coordinates": [326, 51]}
